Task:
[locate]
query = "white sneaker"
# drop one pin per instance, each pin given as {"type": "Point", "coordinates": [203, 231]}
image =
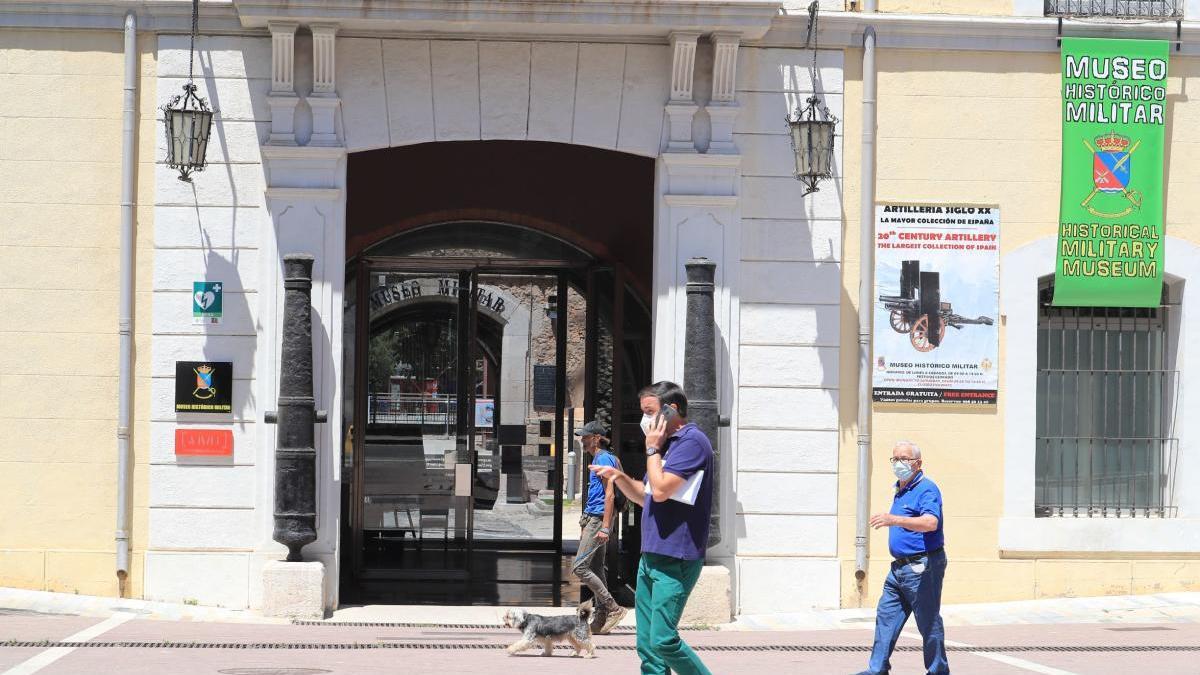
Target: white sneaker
{"type": "Point", "coordinates": [614, 617]}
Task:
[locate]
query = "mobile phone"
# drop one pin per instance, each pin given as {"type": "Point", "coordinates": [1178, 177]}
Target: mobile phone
{"type": "Point", "coordinates": [665, 414]}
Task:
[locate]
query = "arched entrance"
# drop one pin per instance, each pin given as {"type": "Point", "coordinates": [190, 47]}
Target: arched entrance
{"type": "Point", "coordinates": [478, 345]}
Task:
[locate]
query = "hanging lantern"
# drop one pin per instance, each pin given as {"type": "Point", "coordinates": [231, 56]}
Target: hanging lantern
{"type": "Point", "coordinates": [188, 120]}
{"type": "Point", "coordinates": [189, 123]}
{"type": "Point", "coordinates": [812, 129]}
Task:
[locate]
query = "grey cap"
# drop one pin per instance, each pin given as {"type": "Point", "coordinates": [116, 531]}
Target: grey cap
{"type": "Point", "coordinates": [592, 427]}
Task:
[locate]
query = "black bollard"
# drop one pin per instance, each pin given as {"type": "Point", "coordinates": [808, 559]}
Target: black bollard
{"type": "Point", "coordinates": [700, 371]}
{"type": "Point", "coordinates": [295, 450]}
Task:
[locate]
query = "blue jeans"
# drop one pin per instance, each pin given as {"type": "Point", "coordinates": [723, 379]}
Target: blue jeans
{"type": "Point", "coordinates": [915, 588]}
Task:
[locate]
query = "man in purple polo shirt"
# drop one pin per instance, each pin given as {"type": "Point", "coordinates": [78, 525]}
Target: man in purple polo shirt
{"type": "Point", "coordinates": [674, 531]}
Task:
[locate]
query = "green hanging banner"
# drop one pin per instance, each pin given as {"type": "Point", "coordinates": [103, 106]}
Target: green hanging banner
{"type": "Point", "coordinates": [1110, 234]}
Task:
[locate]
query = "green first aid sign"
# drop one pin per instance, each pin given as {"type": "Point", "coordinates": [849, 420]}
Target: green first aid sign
{"type": "Point", "coordinates": [1110, 236]}
{"type": "Point", "coordinates": [206, 301]}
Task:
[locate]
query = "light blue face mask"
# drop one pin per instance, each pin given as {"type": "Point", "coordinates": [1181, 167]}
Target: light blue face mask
{"type": "Point", "coordinates": [902, 470]}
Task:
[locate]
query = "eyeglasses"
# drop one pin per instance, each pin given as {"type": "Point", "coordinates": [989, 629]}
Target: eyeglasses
{"type": "Point", "coordinates": [903, 459]}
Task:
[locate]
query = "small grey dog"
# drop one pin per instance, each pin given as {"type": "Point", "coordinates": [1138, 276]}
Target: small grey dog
{"type": "Point", "coordinates": [547, 630]}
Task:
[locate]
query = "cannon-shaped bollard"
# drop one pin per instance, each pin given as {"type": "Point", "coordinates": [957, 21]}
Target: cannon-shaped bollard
{"type": "Point", "coordinates": [700, 371]}
{"type": "Point", "coordinates": [295, 449]}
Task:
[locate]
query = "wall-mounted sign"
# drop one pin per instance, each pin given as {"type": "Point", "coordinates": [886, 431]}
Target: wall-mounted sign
{"type": "Point", "coordinates": [204, 442]}
{"type": "Point", "coordinates": [206, 301]}
{"type": "Point", "coordinates": [485, 412]}
{"type": "Point", "coordinates": [544, 385]}
{"type": "Point", "coordinates": [392, 296]}
{"type": "Point", "coordinates": [1110, 233]}
{"type": "Point", "coordinates": [203, 387]}
{"type": "Point", "coordinates": [937, 285]}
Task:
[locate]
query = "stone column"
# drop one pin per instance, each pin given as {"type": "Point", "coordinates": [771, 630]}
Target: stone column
{"type": "Point", "coordinates": [700, 370]}
{"type": "Point", "coordinates": [295, 452]}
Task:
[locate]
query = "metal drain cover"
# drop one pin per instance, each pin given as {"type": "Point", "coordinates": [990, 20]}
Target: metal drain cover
{"type": "Point", "coordinates": [274, 671]}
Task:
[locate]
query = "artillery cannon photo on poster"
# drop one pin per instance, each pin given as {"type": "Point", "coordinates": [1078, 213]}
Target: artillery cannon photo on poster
{"type": "Point", "coordinates": [919, 310]}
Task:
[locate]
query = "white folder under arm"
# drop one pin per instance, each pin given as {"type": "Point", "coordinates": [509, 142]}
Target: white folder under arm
{"type": "Point", "coordinates": [686, 492]}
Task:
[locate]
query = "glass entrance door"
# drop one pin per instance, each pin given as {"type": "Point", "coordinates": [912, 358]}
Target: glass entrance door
{"type": "Point", "coordinates": [469, 377]}
{"type": "Point", "coordinates": [463, 393]}
{"type": "Point", "coordinates": [414, 468]}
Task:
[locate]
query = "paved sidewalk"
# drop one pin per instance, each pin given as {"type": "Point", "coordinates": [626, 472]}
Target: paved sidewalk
{"type": "Point", "coordinates": [1158, 608]}
{"type": "Point", "coordinates": [127, 643]}
{"type": "Point", "coordinates": [64, 633]}
{"type": "Point", "coordinates": [1153, 609]}
{"type": "Point", "coordinates": [15, 599]}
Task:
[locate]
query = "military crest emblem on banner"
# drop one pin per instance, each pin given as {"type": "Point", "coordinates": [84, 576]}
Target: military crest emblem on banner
{"type": "Point", "coordinates": [1111, 196]}
{"type": "Point", "coordinates": [204, 382]}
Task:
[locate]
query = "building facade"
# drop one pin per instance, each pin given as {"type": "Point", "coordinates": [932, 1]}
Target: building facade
{"type": "Point", "coordinates": [500, 201]}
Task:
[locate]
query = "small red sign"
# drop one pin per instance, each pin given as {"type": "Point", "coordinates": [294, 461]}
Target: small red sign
{"type": "Point", "coordinates": [204, 442]}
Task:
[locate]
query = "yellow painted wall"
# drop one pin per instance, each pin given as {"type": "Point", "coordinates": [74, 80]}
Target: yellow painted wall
{"type": "Point", "coordinates": [971, 7]}
{"type": "Point", "coordinates": [60, 189]}
{"type": "Point", "coordinates": [985, 128]}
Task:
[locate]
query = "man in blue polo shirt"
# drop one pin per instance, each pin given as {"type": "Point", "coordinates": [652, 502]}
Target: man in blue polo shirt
{"type": "Point", "coordinates": [596, 527]}
{"type": "Point", "coordinates": [914, 584]}
{"type": "Point", "coordinates": [674, 526]}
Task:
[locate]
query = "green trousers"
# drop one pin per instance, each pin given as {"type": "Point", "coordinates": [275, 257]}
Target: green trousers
{"type": "Point", "coordinates": [663, 586]}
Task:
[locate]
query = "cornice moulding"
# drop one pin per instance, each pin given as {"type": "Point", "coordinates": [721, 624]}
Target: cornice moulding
{"type": "Point", "coordinates": [164, 16]}
{"type": "Point", "coordinates": [698, 159]}
{"type": "Point", "coordinates": [969, 33]}
{"type": "Point", "coordinates": [702, 201]}
{"type": "Point", "coordinates": [629, 18]}
{"type": "Point", "coordinates": [288, 194]}
{"type": "Point", "coordinates": [303, 152]}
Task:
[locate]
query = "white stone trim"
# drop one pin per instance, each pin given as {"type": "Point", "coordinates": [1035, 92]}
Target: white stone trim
{"type": "Point", "coordinates": [1032, 7]}
{"type": "Point", "coordinates": [283, 57]}
{"type": "Point", "coordinates": [724, 79]}
{"type": "Point", "coordinates": [283, 118]}
{"type": "Point", "coordinates": [520, 19]}
{"type": "Point", "coordinates": [683, 66]}
{"type": "Point", "coordinates": [698, 213]}
{"type": "Point", "coordinates": [1020, 532]}
{"type": "Point", "coordinates": [971, 33]}
{"type": "Point", "coordinates": [324, 54]}
{"type": "Point", "coordinates": [324, 121]}
{"type": "Point", "coordinates": [710, 201]}
{"type": "Point", "coordinates": [314, 194]}
{"type": "Point", "coordinates": [681, 107]}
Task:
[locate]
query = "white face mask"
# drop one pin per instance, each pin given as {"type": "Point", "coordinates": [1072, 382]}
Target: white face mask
{"type": "Point", "coordinates": [647, 420]}
{"type": "Point", "coordinates": [902, 470]}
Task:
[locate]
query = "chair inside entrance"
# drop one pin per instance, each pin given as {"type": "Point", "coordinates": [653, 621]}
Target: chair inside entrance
{"type": "Point", "coordinates": [407, 497]}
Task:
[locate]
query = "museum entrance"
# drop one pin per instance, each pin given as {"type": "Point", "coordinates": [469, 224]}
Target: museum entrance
{"type": "Point", "coordinates": [497, 297]}
{"type": "Point", "coordinates": [478, 349]}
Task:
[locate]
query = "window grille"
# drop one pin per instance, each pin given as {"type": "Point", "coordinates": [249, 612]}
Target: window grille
{"type": "Point", "coordinates": [1107, 387]}
{"type": "Point", "coordinates": [1116, 9]}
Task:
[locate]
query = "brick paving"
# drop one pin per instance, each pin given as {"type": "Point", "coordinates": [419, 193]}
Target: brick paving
{"type": "Point", "coordinates": [440, 649]}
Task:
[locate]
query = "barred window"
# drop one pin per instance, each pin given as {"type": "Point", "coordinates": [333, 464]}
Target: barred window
{"type": "Point", "coordinates": [1107, 386]}
{"type": "Point", "coordinates": [1116, 9]}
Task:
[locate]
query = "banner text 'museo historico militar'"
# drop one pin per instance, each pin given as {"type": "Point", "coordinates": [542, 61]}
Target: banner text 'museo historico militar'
{"type": "Point", "coordinates": [1110, 234]}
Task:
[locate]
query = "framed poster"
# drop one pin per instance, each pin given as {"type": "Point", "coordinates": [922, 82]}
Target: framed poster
{"type": "Point", "coordinates": [204, 387]}
{"type": "Point", "coordinates": [937, 277]}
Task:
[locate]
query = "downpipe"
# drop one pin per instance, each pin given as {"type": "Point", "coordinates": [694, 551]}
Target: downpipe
{"type": "Point", "coordinates": [866, 282]}
{"type": "Point", "coordinates": [125, 318]}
